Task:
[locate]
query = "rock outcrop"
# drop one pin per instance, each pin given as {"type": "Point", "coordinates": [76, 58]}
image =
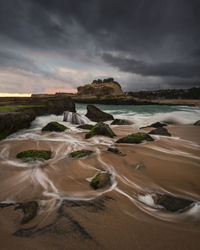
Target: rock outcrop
{"type": "Point", "coordinates": [34, 155]}
{"type": "Point", "coordinates": [96, 115]}
{"type": "Point", "coordinates": [171, 203]}
{"type": "Point", "coordinates": [136, 138]}
{"type": "Point", "coordinates": [121, 122]}
{"type": "Point", "coordinates": [80, 153]}
{"type": "Point", "coordinates": [100, 129]}
{"type": "Point", "coordinates": [116, 151]}
{"type": "Point", "coordinates": [100, 180]}
{"type": "Point", "coordinates": [155, 125]}
{"type": "Point", "coordinates": [54, 126]}
{"type": "Point", "coordinates": [101, 88]}
{"type": "Point", "coordinates": [86, 126]}
{"type": "Point", "coordinates": [160, 131]}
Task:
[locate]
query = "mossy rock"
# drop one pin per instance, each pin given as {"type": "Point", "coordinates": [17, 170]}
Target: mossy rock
{"type": "Point", "coordinates": [86, 126]}
{"type": "Point", "coordinates": [160, 131]}
{"type": "Point", "coordinates": [121, 122]}
{"type": "Point", "coordinates": [54, 126]}
{"type": "Point", "coordinates": [34, 155]}
{"type": "Point", "coordinates": [100, 129]}
{"type": "Point", "coordinates": [115, 151]}
{"type": "Point", "coordinates": [135, 138]}
{"type": "Point", "coordinates": [29, 210]}
{"type": "Point", "coordinates": [100, 180]}
{"type": "Point", "coordinates": [81, 153]}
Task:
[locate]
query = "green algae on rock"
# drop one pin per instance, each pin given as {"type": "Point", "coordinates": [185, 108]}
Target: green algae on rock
{"type": "Point", "coordinates": [100, 180]}
{"type": "Point", "coordinates": [80, 153]}
{"type": "Point", "coordinates": [100, 129]}
{"type": "Point", "coordinates": [54, 126]}
{"type": "Point", "coordinates": [34, 155]}
{"type": "Point", "coordinates": [135, 138]}
{"type": "Point", "coordinates": [86, 126]}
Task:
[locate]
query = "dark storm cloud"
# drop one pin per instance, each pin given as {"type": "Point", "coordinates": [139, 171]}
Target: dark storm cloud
{"type": "Point", "coordinates": [175, 69]}
{"type": "Point", "coordinates": [156, 38]}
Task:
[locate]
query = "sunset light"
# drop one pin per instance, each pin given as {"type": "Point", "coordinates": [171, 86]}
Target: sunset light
{"type": "Point", "coordinates": [14, 95]}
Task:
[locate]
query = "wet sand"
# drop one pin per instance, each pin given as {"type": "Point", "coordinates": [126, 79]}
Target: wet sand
{"type": "Point", "coordinates": [122, 216]}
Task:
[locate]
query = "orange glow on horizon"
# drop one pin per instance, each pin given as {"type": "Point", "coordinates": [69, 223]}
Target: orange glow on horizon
{"type": "Point", "coordinates": [53, 91]}
{"type": "Point", "coordinates": [14, 95]}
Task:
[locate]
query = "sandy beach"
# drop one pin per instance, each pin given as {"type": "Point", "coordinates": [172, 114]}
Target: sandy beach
{"type": "Point", "coordinates": [121, 216]}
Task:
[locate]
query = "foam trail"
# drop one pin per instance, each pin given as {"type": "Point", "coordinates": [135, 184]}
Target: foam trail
{"type": "Point", "coordinates": [75, 118]}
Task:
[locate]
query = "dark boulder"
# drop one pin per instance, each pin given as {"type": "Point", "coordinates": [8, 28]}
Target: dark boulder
{"type": "Point", "coordinates": [121, 122]}
{"type": "Point", "coordinates": [34, 155]}
{"type": "Point", "coordinates": [29, 210]}
{"type": "Point", "coordinates": [54, 126]}
{"type": "Point", "coordinates": [100, 180]}
{"type": "Point", "coordinates": [100, 129]}
{"type": "Point", "coordinates": [115, 151]}
{"type": "Point", "coordinates": [197, 123]}
{"type": "Point", "coordinates": [12, 122]}
{"type": "Point", "coordinates": [80, 153]}
{"type": "Point", "coordinates": [96, 115]}
{"type": "Point", "coordinates": [86, 126]}
{"type": "Point", "coordinates": [155, 125]}
{"type": "Point", "coordinates": [160, 131]}
{"type": "Point", "coordinates": [171, 203]}
{"type": "Point", "coordinates": [135, 138]}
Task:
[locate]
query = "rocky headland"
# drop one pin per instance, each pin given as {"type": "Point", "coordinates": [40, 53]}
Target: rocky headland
{"type": "Point", "coordinates": [106, 91]}
{"type": "Point", "coordinates": [110, 92]}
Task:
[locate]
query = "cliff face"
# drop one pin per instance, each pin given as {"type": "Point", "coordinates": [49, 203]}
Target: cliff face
{"type": "Point", "coordinates": [99, 88]}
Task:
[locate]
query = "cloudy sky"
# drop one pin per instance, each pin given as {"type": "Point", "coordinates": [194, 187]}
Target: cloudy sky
{"type": "Point", "coordinates": [57, 45]}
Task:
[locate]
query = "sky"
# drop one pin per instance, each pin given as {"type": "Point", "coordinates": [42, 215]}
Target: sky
{"type": "Point", "coordinates": [49, 46]}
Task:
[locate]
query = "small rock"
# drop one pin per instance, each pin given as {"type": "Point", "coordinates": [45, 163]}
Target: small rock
{"type": "Point", "coordinates": [100, 129]}
{"type": "Point", "coordinates": [100, 180]}
{"type": "Point", "coordinates": [171, 203]}
{"type": "Point", "coordinates": [160, 131]}
{"type": "Point", "coordinates": [54, 126]}
{"type": "Point", "coordinates": [135, 138]}
{"type": "Point", "coordinates": [86, 126]}
{"type": "Point", "coordinates": [155, 125]}
{"type": "Point", "coordinates": [29, 209]}
{"type": "Point", "coordinates": [115, 151]}
{"type": "Point", "coordinates": [197, 123]}
{"type": "Point", "coordinates": [81, 153]}
{"type": "Point", "coordinates": [96, 115]}
{"type": "Point", "coordinates": [121, 122]}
